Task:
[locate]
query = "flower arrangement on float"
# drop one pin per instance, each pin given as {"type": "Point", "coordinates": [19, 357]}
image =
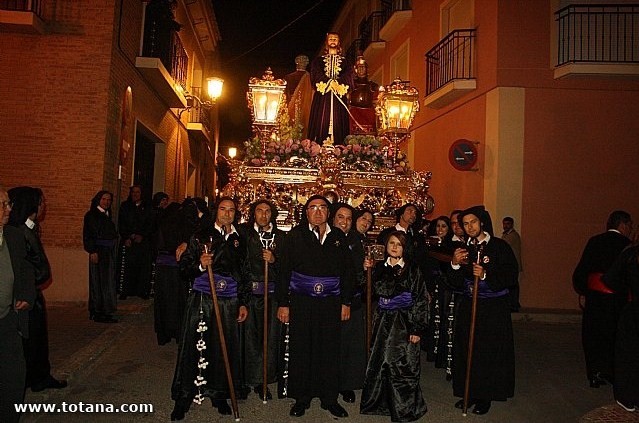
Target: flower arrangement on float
{"type": "Point", "coordinates": [364, 153]}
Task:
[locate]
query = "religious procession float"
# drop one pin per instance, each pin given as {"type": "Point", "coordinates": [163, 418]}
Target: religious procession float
{"type": "Point", "coordinates": [367, 170]}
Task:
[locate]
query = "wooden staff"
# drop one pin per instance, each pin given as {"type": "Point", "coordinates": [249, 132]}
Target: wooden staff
{"type": "Point", "coordinates": [265, 340]}
{"type": "Point", "coordinates": [220, 330]}
{"type": "Point", "coordinates": [369, 310]}
{"type": "Point", "coordinates": [471, 335]}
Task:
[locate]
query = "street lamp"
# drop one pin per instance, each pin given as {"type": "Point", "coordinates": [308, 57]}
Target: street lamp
{"type": "Point", "coordinates": [265, 97]}
{"type": "Point", "coordinates": [232, 152]}
{"type": "Point", "coordinates": [397, 104]}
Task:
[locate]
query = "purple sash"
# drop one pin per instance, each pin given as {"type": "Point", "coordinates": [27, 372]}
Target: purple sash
{"type": "Point", "coordinates": [105, 242]}
{"type": "Point", "coordinates": [165, 259]}
{"type": "Point", "coordinates": [225, 286]}
{"type": "Point", "coordinates": [258, 287]}
{"type": "Point", "coordinates": [398, 302]}
{"type": "Point", "coordinates": [483, 290]}
{"type": "Point", "coordinates": [315, 286]}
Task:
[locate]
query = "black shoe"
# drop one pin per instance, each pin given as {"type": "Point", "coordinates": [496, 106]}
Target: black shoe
{"type": "Point", "coordinates": [222, 407]}
{"type": "Point", "coordinates": [348, 396]}
{"type": "Point", "coordinates": [101, 318]}
{"type": "Point", "coordinates": [627, 406]}
{"type": "Point", "coordinates": [49, 383]}
{"type": "Point", "coordinates": [460, 404]}
{"type": "Point", "coordinates": [178, 412]}
{"type": "Point", "coordinates": [258, 390]}
{"type": "Point", "coordinates": [335, 409]}
{"type": "Point", "coordinates": [299, 408]}
{"type": "Point", "coordinates": [481, 407]}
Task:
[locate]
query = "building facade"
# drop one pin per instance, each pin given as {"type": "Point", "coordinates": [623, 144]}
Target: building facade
{"type": "Point", "coordinates": [546, 91]}
{"type": "Point", "coordinates": [102, 95]}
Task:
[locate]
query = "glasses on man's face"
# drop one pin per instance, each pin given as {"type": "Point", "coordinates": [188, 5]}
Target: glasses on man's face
{"type": "Point", "coordinates": [320, 207]}
{"type": "Point", "coordinates": [6, 204]}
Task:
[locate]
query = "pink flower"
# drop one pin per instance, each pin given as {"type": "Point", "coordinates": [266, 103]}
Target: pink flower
{"type": "Point", "coordinates": [256, 162]}
{"type": "Point", "coordinates": [287, 150]}
{"type": "Point", "coordinates": [338, 152]}
{"type": "Point", "coordinates": [315, 149]}
{"type": "Point", "coordinates": [276, 158]}
{"type": "Point", "coordinates": [306, 143]}
{"type": "Point", "coordinates": [356, 148]}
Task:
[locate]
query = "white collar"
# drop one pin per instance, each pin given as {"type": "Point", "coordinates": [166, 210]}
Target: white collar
{"type": "Point", "coordinates": [483, 241]}
{"type": "Point", "coordinates": [219, 229]}
{"type": "Point", "coordinates": [269, 228]}
{"type": "Point", "coordinates": [30, 223]}
{"type": "Point", "coordinates": [326, 232]}
{"type": "Point", "coordinates": [400, 263]}
{"type": "Point", "coordinates": [400, 228]}
{"type": "Point", "coordinates": [456, 238]}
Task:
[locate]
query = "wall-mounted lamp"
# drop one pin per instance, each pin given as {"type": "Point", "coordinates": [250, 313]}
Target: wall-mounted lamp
{"type": "Point", "coordinates": [232, 152]}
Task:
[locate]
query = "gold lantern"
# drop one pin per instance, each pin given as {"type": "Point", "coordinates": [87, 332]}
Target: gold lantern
{"type": "Point", "coordinates": [397, 104]}
{"type": "Point", "coordinates": [265, 97]}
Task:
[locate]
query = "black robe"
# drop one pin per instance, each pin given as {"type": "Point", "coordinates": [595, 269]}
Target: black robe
{"type": "Point", "coordinates": [601, 310]}
{"type": "Point", "coordinates": [314, 321]}
{"type": "Point", "coordinates": [392, 376]}
{"type": "Point", "coordinates": [623, 277]}
{"type": "Point", "coordinates": [228, 256]}
{"type": "Point", "coordinates": [253, 271]}
{"type": "Point", "coordinates": [136, 260]}
{"type": "Point", "coordinates": [492, 374]}
{"type": "Point", "coordinates": [320, 114]}
{"type": "Point", "coordinates": [353, 343]}
{"type": "Point", "coordinates": [100, 236]}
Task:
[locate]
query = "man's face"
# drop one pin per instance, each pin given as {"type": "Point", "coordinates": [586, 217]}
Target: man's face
{"type": "Point", "coordinates": [262, 215]}
{"type": "Point", "coordinates": [361, 70]}
{"type": "Point", "coordinates": [343, 219]}
{"type": "Point", "coordinates": [409, 216]}
{"type": "Point", "coordinates": [626, 229]}
{"type": "Point", "coordinates": [364, 223]}
{"type": "Point", "coordinates": [472, 225]}
{"type": "Point", "coordinates": [5, 208]}
{"type": "Point", "coordinates": [42, 208]}
{"type": "Point", "coordinates": [164, 203]}
{"type": "Point", "coordinates": [105, 201]}
{"type": "Point", "coordinates": [136, 194]}
{"type": "Point", "coordinates": [507, 224]}
{"type": "Point", "coordinates": [332, 40]}
{"type": "Point", "coordinates": [225, 213]}
{"type": "Point", "coordinates": [456, 227]}
{"type": "Point", "coordinates": [317, 212]}
{"type": "Point", "coordinates": [394, 247]}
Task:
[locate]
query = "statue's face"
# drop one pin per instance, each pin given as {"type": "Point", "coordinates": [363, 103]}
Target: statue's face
{"type": "Point", "coordinates": [361, 69]}
{"type": "Point", "coordinates": [332, 40]}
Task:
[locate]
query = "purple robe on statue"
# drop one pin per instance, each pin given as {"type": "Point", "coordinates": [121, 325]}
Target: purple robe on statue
{"type": "Point", "coordinates": [318, 125]}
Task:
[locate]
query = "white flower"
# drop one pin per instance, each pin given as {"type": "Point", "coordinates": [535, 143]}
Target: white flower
{"type": "Point", "coordinates": [201, 327]}
{"type": "Point", "coordinates": [199, 381]}
{"type": "Point", "coordinates": [202, 363]}
{"type": "Point", "coordinates": [198, 399]}
{"type": "Point", "coordinates": [200, 345]}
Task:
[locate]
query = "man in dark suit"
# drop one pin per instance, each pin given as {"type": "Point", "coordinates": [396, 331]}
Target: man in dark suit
{"type": "Point", "coordinates": [17, 294]}
{"type": "Point", "coordinates": [602, 305]}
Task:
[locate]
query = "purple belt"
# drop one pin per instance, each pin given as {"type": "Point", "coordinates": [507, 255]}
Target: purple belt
{"type": "Point", "coordinates": [315, 286]}
{"type": "Point", "coordinates": [105, 242]}
{"type": "Point", "coordinates": [483, 291]}
{"type": "Point", "coordinates": [258, 287]}
{"type": "Point", "coordinates": [164, 259]}
{"type": "Point", "coordinates": [225, 286]}
{"type": "Point", "coordinates": [398, 302]}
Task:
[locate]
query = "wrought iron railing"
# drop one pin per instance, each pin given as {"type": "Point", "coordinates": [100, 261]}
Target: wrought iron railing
{"type": "Point", "coordinates": [34, 6]}
{"type": "Point", "coordinates": [198, 113]}
{"type": "Point", "coordinates": [162, 40]}
{"type": "Point", "coordinates": [369, 28]}
{"type": "Point", "coordinates": [451, 59]}
{"type": "Point", "coordinates": [598, 34]}
{"type": "Point", "coordinates": [391, 6]}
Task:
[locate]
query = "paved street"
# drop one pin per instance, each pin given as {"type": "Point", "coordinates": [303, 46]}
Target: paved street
{"type": "Point", "coordinates": [122, 363]}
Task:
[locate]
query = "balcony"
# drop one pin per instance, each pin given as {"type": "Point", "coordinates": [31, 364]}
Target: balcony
{"type": "Point", "coordinates": [23, 16]}
{"type": "Point", "coordinates": [164, 62]}
{"type": "Point", "coordinates": [369, 29]}
{"type": "Point", "coordinates": [597, 40]}
{"type": "Point", "coordinates": [450, 69]}
{"type": "Point", "coordinates": [199, 124]}
{"type": "Point", "coordinates": [397, 13]}
{"type": "Point", "coordinates": [354, 50]}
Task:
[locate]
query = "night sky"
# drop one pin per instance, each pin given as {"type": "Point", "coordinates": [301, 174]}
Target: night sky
{"type": "Point", "coordinates": [246, 23]}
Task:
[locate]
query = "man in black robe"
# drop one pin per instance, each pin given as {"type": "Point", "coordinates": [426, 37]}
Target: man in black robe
{"type": "Point", "coordinates": [331, 77]}
{"type": "Point", "coordinates": [314, 293]}
{"type": "Point", "coordinates": [135, 225]}
{"type": "Point", "coordinates": [491, 260]}
{"type": "Point", "coordinates": [17, 294]}
{"type": "Point", "coordinates": [602, 304]}
{"type": "Point", "coordinates": [262, 241]}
